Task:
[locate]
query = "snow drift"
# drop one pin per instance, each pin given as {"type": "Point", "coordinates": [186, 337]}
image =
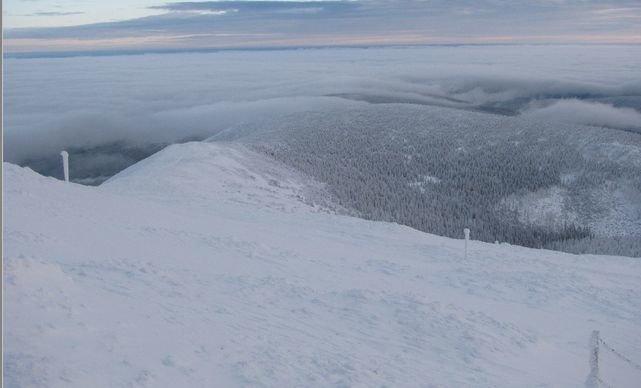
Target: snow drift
{"type": "Point", "coordinates": [209, 265]}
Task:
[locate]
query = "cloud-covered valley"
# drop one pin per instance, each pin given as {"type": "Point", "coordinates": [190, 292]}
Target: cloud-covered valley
{"type": "Point", "coordinates": [56, 103]}
{"type": "Point", "coordinates": [421, 128]}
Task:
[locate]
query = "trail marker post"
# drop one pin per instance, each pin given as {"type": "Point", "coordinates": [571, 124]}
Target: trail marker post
{"type": "Point", "coordinates": [466, 231]}
{"type": "Point", "coordinates": [593, 377]}
{"type": "Point", "coordinates": [65, 164]}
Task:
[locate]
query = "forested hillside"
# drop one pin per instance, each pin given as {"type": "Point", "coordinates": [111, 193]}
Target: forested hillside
{"type": "Point", "coordinates": [441, 170]}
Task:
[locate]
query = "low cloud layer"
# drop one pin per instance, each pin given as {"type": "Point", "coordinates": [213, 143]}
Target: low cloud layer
{"type": "Point", "coordinates": [52, 104]}
{"type": "Point", "coordinates": [588, 113]}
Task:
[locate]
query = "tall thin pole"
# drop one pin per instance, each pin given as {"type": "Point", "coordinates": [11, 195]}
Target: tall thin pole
{"type": "Point", "coordinates": [466, 232]}
{"type": "Point", "coordinates": [593, 377]}
{"type": "Point", "coordinates": [65, 164]}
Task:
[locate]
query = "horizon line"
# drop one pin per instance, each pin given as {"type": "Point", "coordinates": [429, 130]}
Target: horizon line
{"type": "Point", "coordinates": [196, 50]}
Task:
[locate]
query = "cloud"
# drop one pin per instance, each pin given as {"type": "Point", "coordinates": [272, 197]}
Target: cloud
{"type": "Point", "coordinates": [364, 22]}
{"type": "Point", "coordinates": [587, 112]}
{"type": "Point", "coordinates": [55, 103]}
{"type": "Point", "coordinates": [54, 13]}
{"type": "Point", "coordinates": [259, 6]}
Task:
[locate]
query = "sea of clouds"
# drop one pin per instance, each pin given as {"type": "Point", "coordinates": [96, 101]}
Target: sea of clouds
{"type": "Point", "coordinates": [88, 101]}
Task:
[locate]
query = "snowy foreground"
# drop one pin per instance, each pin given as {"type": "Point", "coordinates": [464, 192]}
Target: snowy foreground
{"type": "Point", "coordinates": [202, 266]}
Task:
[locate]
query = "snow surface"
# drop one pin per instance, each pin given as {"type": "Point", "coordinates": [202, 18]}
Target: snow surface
{"type": "Point", "coordinates": [204, 266]}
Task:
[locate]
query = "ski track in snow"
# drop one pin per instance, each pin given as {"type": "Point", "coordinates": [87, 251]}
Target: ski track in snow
{"type": "Point", "coordinates": [204, 266]}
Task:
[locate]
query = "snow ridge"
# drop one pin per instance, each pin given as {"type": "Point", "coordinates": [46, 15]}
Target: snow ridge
{"type": "Point", "coordinates": [195, 268]}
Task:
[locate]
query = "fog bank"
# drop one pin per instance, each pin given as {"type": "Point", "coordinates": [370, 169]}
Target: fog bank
{"type": "Point", "coordinates": [84, 102]}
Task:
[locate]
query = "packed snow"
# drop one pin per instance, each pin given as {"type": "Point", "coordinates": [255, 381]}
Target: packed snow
{"type": "Point", "coordinates": [210, 265]}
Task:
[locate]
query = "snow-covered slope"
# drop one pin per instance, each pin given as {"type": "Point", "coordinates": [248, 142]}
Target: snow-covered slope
{"type": "Point", "coordinates": [203, 266]}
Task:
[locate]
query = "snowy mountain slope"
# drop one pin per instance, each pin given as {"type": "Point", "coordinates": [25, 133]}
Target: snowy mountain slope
{"type": "Point", "coordinates": [534, 183]}
{"type": "Point", "coordinates": [227, 172]}
{"type": "Point", "coordinates": [195, 268]}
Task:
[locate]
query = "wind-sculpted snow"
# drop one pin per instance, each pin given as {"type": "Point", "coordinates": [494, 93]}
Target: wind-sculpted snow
{"type": "Point", "coordinates": [441, 170]}
{"type": "Point", "coordinates": [204, 266]}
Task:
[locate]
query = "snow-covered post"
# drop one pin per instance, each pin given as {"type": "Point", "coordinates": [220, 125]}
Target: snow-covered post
{"type": "Point", "coordinates": [65, 164]}
{"type": "Point", "coordinates": [466, 231]}
{"type": "Point", "coordinates": [593, 377]}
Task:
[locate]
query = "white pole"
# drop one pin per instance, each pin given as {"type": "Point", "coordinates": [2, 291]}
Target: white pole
{"type": "Point", "coordinates": [466, 231]}
{"type": "Point", "coordinates": [65, 164]}
{"type": "Point", "coordinates": [593, 377]}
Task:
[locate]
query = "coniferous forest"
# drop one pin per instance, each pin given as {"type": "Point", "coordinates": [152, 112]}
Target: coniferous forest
{"type": "Point", "coordinates": [440, 171]}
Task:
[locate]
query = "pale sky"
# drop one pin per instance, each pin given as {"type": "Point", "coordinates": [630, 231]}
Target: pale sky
{"type": "Point", "coordinates": [48, 13]}
{"type": "Point", "coordinates": [69, 25]}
